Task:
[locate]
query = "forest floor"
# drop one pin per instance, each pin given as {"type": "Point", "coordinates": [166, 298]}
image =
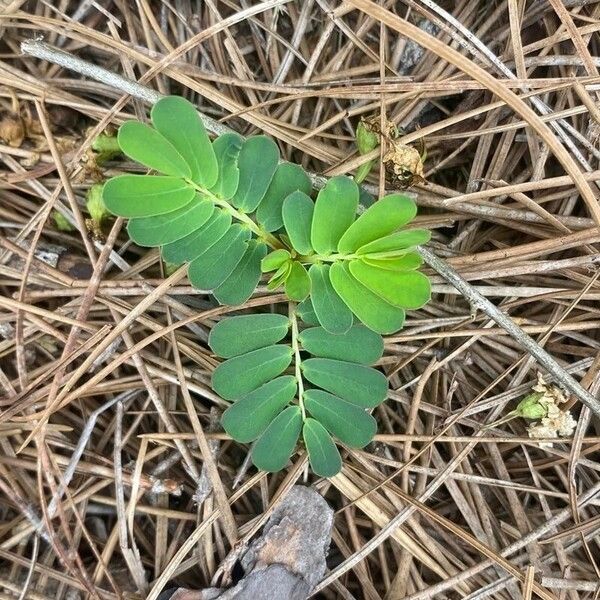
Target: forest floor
{"type": "Point", "coordinates": [500, 102]}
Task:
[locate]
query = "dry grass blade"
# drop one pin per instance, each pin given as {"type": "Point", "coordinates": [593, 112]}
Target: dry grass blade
{"type": "Point", "coordinates": [116, 480]}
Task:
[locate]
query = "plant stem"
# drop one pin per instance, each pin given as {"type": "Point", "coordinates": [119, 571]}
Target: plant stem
{"type": "Point", "coordinates": [260, 233]}
{"type": "Point", "coordinates": [297, 360]}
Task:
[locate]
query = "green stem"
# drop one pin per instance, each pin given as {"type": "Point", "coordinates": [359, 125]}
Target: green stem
{"type": "Point", "coordinates": [273, 241]}
{"type": "Point", "coordinates": [297, 360]}
{"type": "Point", "coordinates": [265, 236]}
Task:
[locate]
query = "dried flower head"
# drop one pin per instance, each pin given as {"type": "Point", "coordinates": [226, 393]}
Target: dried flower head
{"type": "Point", "coordinates": [555, 422]}
{"type": "Point", "coordinates": [551, 392]}
{"type": "Point", "coordinates": [542, 432]}
{"type": "Point", "coordinates": [542, 404]}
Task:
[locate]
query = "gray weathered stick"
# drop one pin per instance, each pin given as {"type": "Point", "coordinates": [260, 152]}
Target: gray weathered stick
{"type": "Point", "coordinates": [481, 303]}
{"type": "Point", "coordinates": [44, 51]}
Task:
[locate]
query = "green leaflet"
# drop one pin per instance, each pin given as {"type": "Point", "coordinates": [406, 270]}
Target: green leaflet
{"type": "Point", "coordinates": [325, 460]}
{"type": "Point", "coordinates": [147, 146]}
{"type": "Point", "coordinates": [194, 244]}
{"type": "Point", "coordinates": [406, 290]}
{"type": "Point", "coordinates": [240, 375]}
{"type": "Point", "coordinates": [214, 266]}
{"type": "Point", "coordinates": [247, 419]}
{"type": "Point", "coordinates": [373, 311]}
{"type": "Point", "coordinates": [381, 219]}
{"type": "Point", "coordinates": [276, 445]}
{"type": "Point", "coordinates": [164, 229]}
{"type": "Point", "coordinates": [407, 262]}
{"type": "Point", "coordinates": [280, 276]}
{"type": "Point", "coordinates": [177, 120]}
{"type": "Point", "coordinates": [227, 149]}
{"type": "Point", "coordinates": [297, 284]}
{"type": "Point", "coordinates": [274, 260]}
{"type": "Point", "coordinates": [359, 344]}
{"type": "Point", "coordinates": [145, 195]}
{"type": "Point", "coordinates": [257, 162]}
{"type": "Point", "coordinates": [335, 210]}
{"type": "Point", "coordinates": [242, 282]}
{"type": "Point", "coordinates": [332, 313]}
{"type": "Point", "coordinates": [306, 312]}
{"type": "Point", "coordinates": [238, 335]}
{"type": "Point", "coordinates": [288, 178]}
{"type": "Point", "coordinates": [297, 215]}
{"type": "Point", "coordinates": [349, 423]}
{"type": "Point", "coordinates": [396, 242]}
{"type": "Point", "coordinates": [357, 384]}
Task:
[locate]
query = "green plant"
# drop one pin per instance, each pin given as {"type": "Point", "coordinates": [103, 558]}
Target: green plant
{"type": "Point", "coordinates": [232, 210]}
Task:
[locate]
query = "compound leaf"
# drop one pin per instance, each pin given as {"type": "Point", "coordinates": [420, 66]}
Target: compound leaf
{"type": "Point", "coordinates": [247, 419]}
{"type": "Point", "coordinates": [396, 242]}
{"type": "Point", "coordinates": [240, 375]}
{"type": "Point", "coordinates": [297, 213]}
{"type": "Point", "coordinates": [242, 282]}
{"type": "Point", "coordinates": [408, 290]}
{"type": "Point", "coordinates": [381, 219]}
{"type": "Point", "coordinates": [170, 227]}
{"type": "Point", "coordinates": [132, 196]}
{"type": "Point", "coordinates": [331, 311]}
{"type": "Point", "coordinates": [349, 423]}
{"type": "Point", "coordinates": [358, 345]}
{"type": "Point", "coordinates": [257, 162]}
{"type": "Point", "coordinates": [324, 457]}
{"type": "Point", "coordinates": [297, 284]}
{"type": "Point", "coordinates": [372, 310]}
{"type": "Point", "coordinates": [177, 120]}
{"type": "Point", "coordinates": [145, 145]}
{"type": "Point", "coordinates": [288, 178]}
{"type": "Point", "coordinates": [275, 446]}
{"type": "Point", "coordinates": [215, 265]}
{"type": "Point", "coordinates": [357, 384]}
{"type": "Point", "coordinates": [335, 210]}
{"type": "Point", "coordinates": [194, 244]}
{"type": "Point", "coordinates": [238, 335]}
{"type": "Point", "coordinates": [227, 149]}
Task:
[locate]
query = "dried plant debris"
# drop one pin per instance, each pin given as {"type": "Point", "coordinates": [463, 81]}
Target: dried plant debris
{"type": "Point", "coordinates": [544, 405]}
{"type": "Point", "coordinates": [439, 504]}
{"type": "Point", "coordinates": [403, 163]}
{"type": "Point", "coordinates": [12, 129]}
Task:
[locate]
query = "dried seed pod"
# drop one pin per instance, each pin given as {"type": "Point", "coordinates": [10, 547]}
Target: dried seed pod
{"type": "Point", "coordinates": [404, 164]}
